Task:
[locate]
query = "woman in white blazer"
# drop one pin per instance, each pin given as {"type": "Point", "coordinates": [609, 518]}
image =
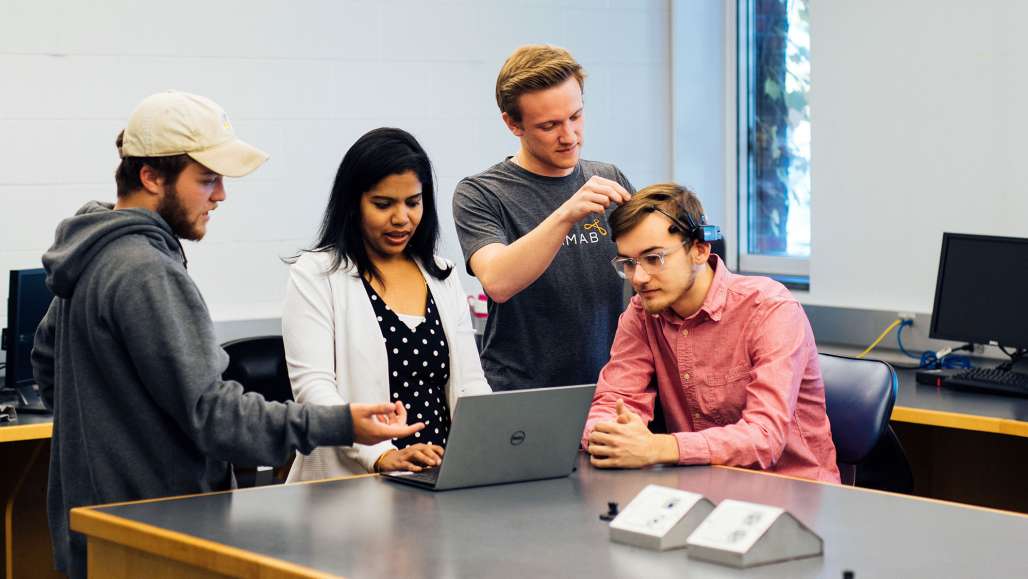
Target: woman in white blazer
{"type": "Point", "coordinates": [372, 315]}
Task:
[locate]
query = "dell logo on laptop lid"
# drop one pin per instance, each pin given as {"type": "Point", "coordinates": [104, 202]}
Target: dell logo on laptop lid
{"type": "Point", "coordinates": [517, 438]}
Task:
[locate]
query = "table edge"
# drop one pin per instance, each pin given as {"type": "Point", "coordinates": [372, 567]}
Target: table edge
{"type": "Point", "coordinates": [960, 421]}
{"type": "Point", "coordinates": [93, 522]}
{"type": "Point", "coordinates": [184, 548]}
{"type": "Point", "coordinates": [21, 432]}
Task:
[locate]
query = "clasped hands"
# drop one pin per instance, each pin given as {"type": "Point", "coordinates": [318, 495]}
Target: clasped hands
{"type": "Point", "coordinates": [626, 442]}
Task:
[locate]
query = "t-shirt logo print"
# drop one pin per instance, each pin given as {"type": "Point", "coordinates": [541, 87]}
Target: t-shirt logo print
{"type": "Point", "coordinates": [591, 233]}
{"type": "Point", "coordinates": [595, 225]}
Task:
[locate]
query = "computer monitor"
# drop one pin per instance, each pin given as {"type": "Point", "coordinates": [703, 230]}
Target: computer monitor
{"type": "Point", "coordinates": [981, 295]}
{"type": "Point", "coordinates": [27, 303]}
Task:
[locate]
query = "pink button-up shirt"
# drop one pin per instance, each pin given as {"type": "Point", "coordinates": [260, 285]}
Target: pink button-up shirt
{"type": "Point", "coordinates": [738, 380]}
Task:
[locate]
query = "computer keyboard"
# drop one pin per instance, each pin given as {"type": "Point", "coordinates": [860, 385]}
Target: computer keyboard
{"type": "Point", "coordinates": [429, 475]}
{"type": "Point", "coordinates": [989, 380]}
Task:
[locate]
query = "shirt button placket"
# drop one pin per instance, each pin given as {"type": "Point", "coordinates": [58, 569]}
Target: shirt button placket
{"type": "Point", "coordinates": [684, 361]}
{"type": "Point", "coordinates": [684, 375]}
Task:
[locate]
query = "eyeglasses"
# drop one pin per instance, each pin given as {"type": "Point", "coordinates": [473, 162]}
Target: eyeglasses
{"type": "Point", "coordinates": [650, 262]}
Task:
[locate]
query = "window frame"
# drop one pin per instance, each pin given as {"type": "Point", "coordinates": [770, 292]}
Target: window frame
{"type": "Point", "coordinates": [738, 39]}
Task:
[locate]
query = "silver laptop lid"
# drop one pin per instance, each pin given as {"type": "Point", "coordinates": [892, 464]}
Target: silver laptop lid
{"type": "Point", "coordinates": [514, 436]}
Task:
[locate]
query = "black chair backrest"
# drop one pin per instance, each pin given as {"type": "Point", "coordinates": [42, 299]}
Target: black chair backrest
{"type": "Point", "coordinates": [859, 395]}
{"type": "Point", "coordinates": [259, 364]}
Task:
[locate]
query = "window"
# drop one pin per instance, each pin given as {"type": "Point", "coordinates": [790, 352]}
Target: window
{"type": "Point", "coordinates": [774, 136]}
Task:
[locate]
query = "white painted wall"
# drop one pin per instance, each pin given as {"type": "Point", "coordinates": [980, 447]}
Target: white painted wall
{"type": "Point", "coordinates": [302, 80]}
{"type": "Point", "coordinates": [918, 128]}
{"type": "Point", "coordinates": [703, 107]}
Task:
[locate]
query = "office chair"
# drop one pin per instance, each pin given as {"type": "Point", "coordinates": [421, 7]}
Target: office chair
{"type": "Point", "coordinates": [859, 395]}
{"type": "Point", "coordinates": [259, 364]}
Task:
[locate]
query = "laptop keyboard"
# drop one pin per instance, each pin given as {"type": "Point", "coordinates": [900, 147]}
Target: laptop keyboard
{"type": "Point", "coordinates": [429, 476]}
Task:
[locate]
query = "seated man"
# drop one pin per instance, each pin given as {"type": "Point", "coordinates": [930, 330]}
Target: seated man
{"type": "Point", "coordinates": [732, 357]}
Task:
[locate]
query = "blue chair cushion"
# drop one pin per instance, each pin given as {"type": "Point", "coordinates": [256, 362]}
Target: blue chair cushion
{"type": "Point", "coordinates": [859, 395]}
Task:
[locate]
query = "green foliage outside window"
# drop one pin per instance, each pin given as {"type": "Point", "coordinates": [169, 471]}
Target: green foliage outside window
{"type": "Point", "coordinates": [778, 195]}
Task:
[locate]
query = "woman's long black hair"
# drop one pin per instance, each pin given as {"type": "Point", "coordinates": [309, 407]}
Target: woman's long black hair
{"type": "Point", "coordinates": [375, 156]}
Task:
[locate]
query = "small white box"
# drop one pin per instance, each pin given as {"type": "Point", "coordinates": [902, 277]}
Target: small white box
{"type": "Point", "coordinates": [743, 534]}
{"type": "Point", "coordinates": [660, 518]}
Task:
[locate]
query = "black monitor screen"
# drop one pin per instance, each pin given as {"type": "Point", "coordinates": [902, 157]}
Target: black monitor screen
{"type": "Point", "coordinates": [27, 303]}
{"type": "Point", "coordinates": [981, 295]}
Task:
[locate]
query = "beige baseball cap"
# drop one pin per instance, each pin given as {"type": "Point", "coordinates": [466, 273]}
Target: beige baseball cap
{"type": "Point", "coordinates": [176, 123]}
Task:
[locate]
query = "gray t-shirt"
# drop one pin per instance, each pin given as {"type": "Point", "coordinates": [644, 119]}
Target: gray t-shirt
{"type": "Point", "coordinates": [558, 330]}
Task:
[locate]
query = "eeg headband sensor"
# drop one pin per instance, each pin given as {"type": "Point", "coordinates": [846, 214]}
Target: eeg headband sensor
{"type": "Point", "coordinates": [701, 232]}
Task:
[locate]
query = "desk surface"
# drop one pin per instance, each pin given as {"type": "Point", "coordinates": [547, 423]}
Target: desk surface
{"type": "Point", "coordinates": [370, 527]}
{"type": "Point", "coordinates": [932, 405]}
{"type": "Point", "coordinates": [935, 406]}
{"type": "Point", "coordinates": [28, 427]}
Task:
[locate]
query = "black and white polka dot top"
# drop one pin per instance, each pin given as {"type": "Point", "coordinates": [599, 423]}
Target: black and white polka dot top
{"type": "Point", "coordinates": [418, 369]}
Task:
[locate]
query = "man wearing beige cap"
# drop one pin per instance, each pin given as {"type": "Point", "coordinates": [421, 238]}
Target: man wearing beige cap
{"type": "Point", "coordinates": [127, 356]}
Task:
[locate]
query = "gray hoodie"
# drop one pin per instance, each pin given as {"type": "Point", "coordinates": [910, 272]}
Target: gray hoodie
{"type": "Point", "coordinates": [127, 358]}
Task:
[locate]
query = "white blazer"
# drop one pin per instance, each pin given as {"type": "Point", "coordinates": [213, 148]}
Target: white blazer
{"type": "Point", "coordinates": [336, 353]}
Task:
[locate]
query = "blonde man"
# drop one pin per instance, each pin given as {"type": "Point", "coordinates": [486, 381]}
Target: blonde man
{"type": "Point", "coordinates": [534, 231]}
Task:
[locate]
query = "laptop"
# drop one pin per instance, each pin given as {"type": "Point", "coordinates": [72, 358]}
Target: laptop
{"type": "Point", "coordinates": [511, 436]}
